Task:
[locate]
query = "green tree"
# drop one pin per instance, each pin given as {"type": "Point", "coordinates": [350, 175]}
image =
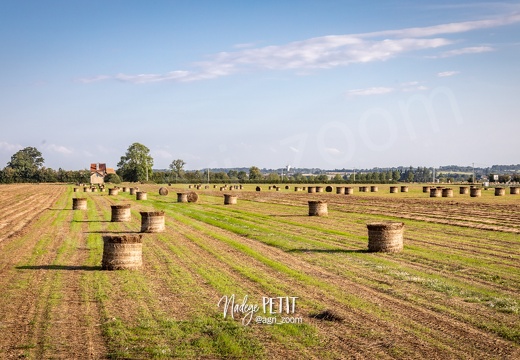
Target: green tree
{"type": "Point", "coordinates": [396, 175]}
{"type": "Point", "coordinates": [273, 177]}
{"type": "Point", "coordinates": [177, 168]}
{"type": "Point", "coordinates": [255, 174]}
{"type": "Point", "coordinates": [136, 164]}
{"type": "Point", "coordinates": [322, 178]}
{"type": "Point", "coordinates": [233, 174]}
{"type": "Point", "coordinates": [242, 175]}
{"type": "Point", "coordinates": [7, 175]}
{"type": "Point", "coordinates": [337, 179]}
{"type": "Point", "coordinates": [410, 176]}
{"type": "Point", "coordinates": [113, 179]}
{"type": "Point", "coordinates": [26, 164]}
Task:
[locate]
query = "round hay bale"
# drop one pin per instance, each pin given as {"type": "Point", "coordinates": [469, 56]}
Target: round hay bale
{"type": "Point", "coordinates": [132, 191]}
{"type": "Point", "coordinates": [425, 189]}
{"type": "Point", "coordinates": [394, 189]}
{"type": "Point", "coordinates": [113, 191]}
{"type": "Point", "coordinates": [102, 189]}
{"type": "Point", "coordinates": [475, 192]}
{"type": "Point", "coordinates": [270, 188]}
{"type": "Point", "coordinates": [328, 188]}
{"type": "Point", "coordinates": [79, 204]}
{"type": "Point", "coordinates": [75, 189]}
{"type": "Point", "coordinates": [318, 208]}
{"type": "Point", "coordinates": [374, 188]}
{"type": "Point", "coordinates": [404, 188]}
{"type": "Point", "coordinates": [230, 199]}
{"type": "Point", "coordinates": [447, 192]}
{"type": "Point", "coordinates": [86, 189]}
{"type": "Point", "coordinates": [206, 187]}
{"type": "Point", "coordinates": [500, 191]}
{"type": "Point", "coordinates": [190, 186]}
{"type": "Point", "coordinates": [319, 189]}
{"type": "Point", "coordinates": [287, 187]}
{"type": "Point", "coordinates": [152, 221]}
{"type": "Point", "coordinates": [163, 191]}
{"type": "Point", "coordinates": [141, 195]}
{"type": "Point", "coordinates": [463, 190]}
{"type": "Point", "coordinates": [304, 188]}
{"type": "Point", "coordinates": [193, 197]}
{"type": "Point", "coordinates": [514, 190]}
{"type": "Point", "coordinates": [214, 186]}
{"type": "Point", "coordinates": [340, 190]}
{"type": "Point", "coordinates": [93, 189]}
{"type": "Point", "coordinates": [311, 189]}
{"type": "Point", "coordinates": [182, 197]}
{"type": "Point", "coordinates": [122, 252]}
{"type": "Point", "coordinates": [258, 188]}
{"type": "Point", "coordinates": [349, 190]}
{"type": "Point", "coordinates": [277, 188]}
{"type": "Point", "coordinates": [385, 237]}
{"type": "Point", "coordinates": [240, 187]}
{"type": "Point", "coordinates": [435, 192]}
{"type": "Point", "coordinates": [125, 189]}
{"type": "Point", "coordinates": [121, 213]}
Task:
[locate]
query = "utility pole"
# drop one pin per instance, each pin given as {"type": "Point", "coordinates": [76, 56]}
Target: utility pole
{"type": "Point", "coordinates": [208, 175]}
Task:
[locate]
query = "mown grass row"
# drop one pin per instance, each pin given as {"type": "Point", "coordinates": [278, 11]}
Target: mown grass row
{"type": "Point", "coordinates": [244, 224]}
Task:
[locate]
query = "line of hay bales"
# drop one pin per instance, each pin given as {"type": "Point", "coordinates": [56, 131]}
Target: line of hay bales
{"type": "Point", "coordinates": [125, 251]}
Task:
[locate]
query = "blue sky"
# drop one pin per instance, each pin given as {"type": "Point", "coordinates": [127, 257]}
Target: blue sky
{"type": "Point", "coordinates": [321, 83]}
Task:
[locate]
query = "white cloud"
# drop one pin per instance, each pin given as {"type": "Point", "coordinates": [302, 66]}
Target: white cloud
{"type": "Point", "coordinates": [466, 50]}
{"type": "Point", "coordinates": [323, 52]}
{"type": "Point", "coordinates": [163, 154]}
{"type": "Point", "coordinates": [5, 146]}
{"type": "Point", "coordinates": [370, 91]}
{"type": "Point", "coordinates": [58, 149]}
{"type": "Point", "coordinates": [447, 73]}
{"type": "Point", "coordinates": [404, 87]}
{"type": "Point", "coordinates": [332, 151]}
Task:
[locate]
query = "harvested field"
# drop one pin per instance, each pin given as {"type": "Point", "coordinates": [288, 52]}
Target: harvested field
{"type": "Point", "coordinates": [452, 293]}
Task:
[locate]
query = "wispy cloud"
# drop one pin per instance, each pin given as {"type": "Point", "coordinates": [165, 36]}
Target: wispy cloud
{"type": "Point", "coordinates": [370, 91]}
{"type": "Point", "coordinates": [404, 87]}
{"type": "Point", "coordinates": [323, 52]}
{"type": "Point", "coordinates": [5, 146]}
{"type": "Point", "coordinates": [466, 50]}
{"type": "Point", "coordinates": [332, 151]}
{"type": "Point", "coordinates": [163, 154]}
{"type": "Point", "coordinates": [447, 73]}
{"type": "Point", "coordinates": [58, 149]}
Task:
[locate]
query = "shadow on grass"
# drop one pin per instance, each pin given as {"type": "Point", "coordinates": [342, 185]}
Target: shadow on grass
{"type": "Point", "coordinates": [108, 232]}
{"type": "Point", "coordinates": [287, 215]}
{"type": "Point", "coordinates": [91, 221]}
{"type": "Point", "coordinates": [59, 267]}
{"type": "Point", "coordinates": [329, 251]}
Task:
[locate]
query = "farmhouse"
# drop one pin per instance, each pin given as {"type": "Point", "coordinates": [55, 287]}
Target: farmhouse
{"type": "Point", "coordinates": [98, 173]}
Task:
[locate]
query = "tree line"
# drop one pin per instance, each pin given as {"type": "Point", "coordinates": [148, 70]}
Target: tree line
{"type": "Point", "coordinates": [136, 165]}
